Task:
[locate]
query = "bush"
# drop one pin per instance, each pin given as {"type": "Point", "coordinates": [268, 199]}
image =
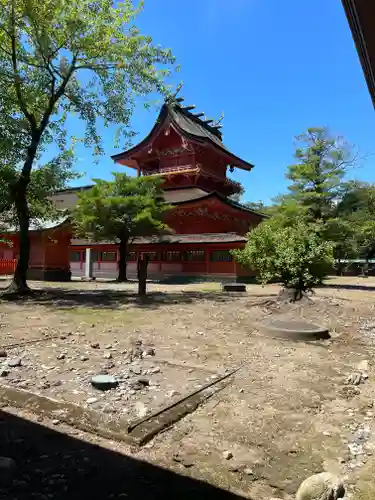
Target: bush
{"type": "Point", "coordinates": [294, 255]}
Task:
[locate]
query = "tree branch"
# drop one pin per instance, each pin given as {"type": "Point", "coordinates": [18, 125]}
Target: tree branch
{"type": "Point", "coordinates": [17, 78]}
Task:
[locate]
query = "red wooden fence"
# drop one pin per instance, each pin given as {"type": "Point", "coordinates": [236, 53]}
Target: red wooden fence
{"type": "Point", "coordinates": [7, 266]}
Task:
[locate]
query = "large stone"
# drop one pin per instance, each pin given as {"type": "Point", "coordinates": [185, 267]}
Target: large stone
{"type": "Point", "coordinates": [294, 330]}
{"type": "Point", "coordinates": [104, 382]}
{"type": "Point", "coordinates": [323, 486]}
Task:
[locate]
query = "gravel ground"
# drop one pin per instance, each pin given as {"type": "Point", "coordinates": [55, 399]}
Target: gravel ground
{"type": "Point", "coordinates": [290, 411]}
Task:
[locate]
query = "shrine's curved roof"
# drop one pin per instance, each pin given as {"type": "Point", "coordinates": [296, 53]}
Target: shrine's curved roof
{"type": "Point", "coordinates": [190, 126]}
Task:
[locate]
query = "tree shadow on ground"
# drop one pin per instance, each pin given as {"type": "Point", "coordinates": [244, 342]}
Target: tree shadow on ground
{"type": "Point", "coordinates": [347, 286]}
{"type": "Point", "coordinates": [114, 299]}
{"type": "Point", "coordinates": [53, 465]}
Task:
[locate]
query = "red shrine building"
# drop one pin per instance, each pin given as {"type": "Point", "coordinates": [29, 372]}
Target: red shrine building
{"type": "Point", "coordinates": [188, 152]}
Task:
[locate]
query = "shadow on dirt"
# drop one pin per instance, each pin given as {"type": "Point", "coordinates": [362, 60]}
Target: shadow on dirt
{"type": "Point", "coordinates": [113, 299]}
{"type": "Point", "coordinates": [50, 464]}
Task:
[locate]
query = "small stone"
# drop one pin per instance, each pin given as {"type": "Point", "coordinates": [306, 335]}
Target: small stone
{"type": "Point", "coordinates": [107, 355]}
{"type": "Point", "coordinates": [15, 362]}
{"type": "Point", "coordinates": [55, 421]}
{"type": "Point", "coordinates": [327, 433]}
{"type": "Point", "coordinates": [183, 460]}
{"type": "Point", "coordinates": [91, 401]}
{"type": "Point", "coordinates": [354, 379]}
{"type": "Point", "coordinates": [323, 486]}
{"type": "Point", "coordinates": [150, 351]}
{"type": "Point", "coordinates": [227, 455]}
{"type": "Point", "coordinates": [233, 468]}
{"type": "Point", "coordinates": [95, 345]}
{"type": "Point", "coordinates": [141, 409]}
{"type": "Point", "coordinates": [137, 370]}
{"type": "Point", "coordinates": [4, 372]}
{"type": "Point", "coordinates": [56, 383]}
{"type": "Point", "coordinates": [3, 354]}
{"type": "Point", "coordinates": [60, 356]}
{"type": "Point", "coordinates": [172, 393]}
{"type": "Point", "coordinates": [84, 358]}
{"type": "Point", "coordinates": [108, 346]}
{"type": "Point", "coordinates": [248, 471]}
{"type": "Point", "coordinates": [155, 369]}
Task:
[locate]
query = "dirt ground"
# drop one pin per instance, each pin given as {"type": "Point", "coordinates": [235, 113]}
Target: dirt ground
{"type": "Point", "coordinates": [288, 413]}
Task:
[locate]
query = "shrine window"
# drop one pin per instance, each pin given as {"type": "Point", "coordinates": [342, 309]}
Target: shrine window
{"type": "Point", "coordinates": [75, 257]}
{"type": "Point", "coordinates": [132, 256]}
{"type": "Point", "coordinates": [152, 256]}
{"type": "Point", "coordinates": [221, 256]}
{"type": "Point", "coordinates": [173, 256]}
{"type": "Point", "coordinates": [195, 255]}
{"type": "Point", "coordinates": [109, 256]}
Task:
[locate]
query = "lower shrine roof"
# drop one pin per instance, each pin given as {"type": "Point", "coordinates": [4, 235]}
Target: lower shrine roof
{"type": "Point", "coordinates": [174, 238]}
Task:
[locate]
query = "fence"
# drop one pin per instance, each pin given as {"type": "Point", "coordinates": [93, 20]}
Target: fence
{"type": "Point", "coordinates": [7, 266]}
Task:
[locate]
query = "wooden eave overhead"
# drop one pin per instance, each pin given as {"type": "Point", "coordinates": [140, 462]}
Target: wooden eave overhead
{"type": "Point", "coordinates": [361, 17]}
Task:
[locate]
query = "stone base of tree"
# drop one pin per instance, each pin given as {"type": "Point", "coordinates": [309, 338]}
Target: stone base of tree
{"type": "Point", "coordinates": [49, 275]}
{"type": "Point", "coordinates": [292, 295]}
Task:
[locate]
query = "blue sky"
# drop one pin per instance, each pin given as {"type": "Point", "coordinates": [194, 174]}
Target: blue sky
{"type": "Point", "coordinates": [274, 68]}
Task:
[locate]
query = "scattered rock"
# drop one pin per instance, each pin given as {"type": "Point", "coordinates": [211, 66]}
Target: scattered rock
{"type": "Point", "coordinates": [95, 345]}
{"type": "Point", "coordinates": [107, 355]}
{"type": "Point", "coordinates": [183, 460]}
{"type": "Point", "coordinates": [150, 351]}
{"type": "Point", "coordinates": [348, 392]}
{"type": "Point", "coordinates": [60, 356]}
{"type": "Point", "coordinates": [172, 393]}
{"type": "Point", "coordinates": [84, 357]}
{"type": "Point", "coordinates": [248, 471]}
{"type": "Point", "coordinates": [354, 379]}
{"type": "Point", "coordinates": [154, 369]}
{"type": "Point", "coordinates": [323, 486]}
{"type": "Point", "coordinates": [55, 421]}
{"type": "Point", "coordinates": [108, 346]}
{"type": "Point", "coordinates": [137, 370]}
{"type": "Point", "coordinates": [104, 382]}
{"type": "Point", "coordinates": [15, 362]}
{"type": "Point", "coordinates": [91, 401]}
{"type": "Point", "coordinates": [141, 409]}
{"type": "Point", "coordinates": [355, 449]}
{"type": "Point", "coordinates": [3, 354]}
{"type": "Point", "coordinates": [234, 468]}
{"type": "Point", "coordinates": [227, 455]}
{"type": "Point", "coordinates": [4, 372]}
{"type": "Point", "coordinates": [45, 385]}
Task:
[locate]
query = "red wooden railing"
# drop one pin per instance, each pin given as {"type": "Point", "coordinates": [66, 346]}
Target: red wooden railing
{"type": "Point", "coordinates": [7, 266]}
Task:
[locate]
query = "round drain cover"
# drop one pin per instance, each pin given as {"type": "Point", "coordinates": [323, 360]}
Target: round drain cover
{"type": "Point", "coordinates": [294, 330]}
{"type": "Point", "coordinates": [104, 382]}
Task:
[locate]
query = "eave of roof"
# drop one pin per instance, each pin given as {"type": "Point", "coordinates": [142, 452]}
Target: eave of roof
{"type": "Point", "coordinates": [361, 14]}
{"type": "Point", "coordinates": [224, 200]}
{"type": "Point", "coordinates": [202, 238]}
{"type": "Point", "coordinates": [40, 225]}
{"type": "Point", "coordinates": [190, 127]}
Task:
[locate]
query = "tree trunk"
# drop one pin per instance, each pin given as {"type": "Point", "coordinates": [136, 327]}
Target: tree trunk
{"type": "Point", "coordinates": [142, 274]}
{"type": "Point", "coordinates": [122, 263]}
{"type": "Point", "coordinates": [19, 197]}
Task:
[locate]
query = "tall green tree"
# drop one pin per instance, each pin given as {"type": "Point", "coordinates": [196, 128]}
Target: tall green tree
{"type": "Point", "coordinates": [120, 210]}
{"type": "Point", "coordinates": [317, 176]}
{"type": "Point", "coordinates": [59, 58]}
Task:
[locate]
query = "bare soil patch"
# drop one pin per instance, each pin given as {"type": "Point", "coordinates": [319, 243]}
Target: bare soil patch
{"type": "Point", "coordinates": [289, 412]}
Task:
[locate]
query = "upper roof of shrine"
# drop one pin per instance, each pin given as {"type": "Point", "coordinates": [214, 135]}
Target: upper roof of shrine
{"type": "Point", "coordinates": [192, 126]}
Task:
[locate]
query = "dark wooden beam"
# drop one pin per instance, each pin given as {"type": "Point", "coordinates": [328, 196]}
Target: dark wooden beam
{"type": "Point", "coordinates": [198, 115]}
{"type": "Point", "coordinates": [189, 107]}
{"type": "Point", "coordinates": [361, 15]}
